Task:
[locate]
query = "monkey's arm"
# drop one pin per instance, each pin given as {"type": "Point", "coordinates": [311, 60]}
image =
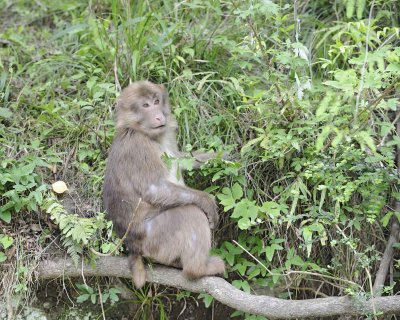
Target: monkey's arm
{"type": "Point", "coordinates": [149, 176]}
{"type": "Point", "coordinates": [166, 194]}
{"type": "Point", "coordinates": [201, 158]}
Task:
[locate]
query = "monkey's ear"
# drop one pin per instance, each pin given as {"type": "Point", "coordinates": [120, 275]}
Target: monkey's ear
{"type": "Point", "coordinates": [118, 103]}
{"type": "Point", "coordinates": [162, 88]}
{"type": "Point", "coordinates": [164, 93]}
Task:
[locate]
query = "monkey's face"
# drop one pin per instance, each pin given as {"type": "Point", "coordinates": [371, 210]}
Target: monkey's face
{"type": "Point", "coordinates": [143, 106]}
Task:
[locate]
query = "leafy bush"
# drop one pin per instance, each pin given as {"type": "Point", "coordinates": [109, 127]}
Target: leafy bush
{"type": "Point", "coordinates": [303, 96]}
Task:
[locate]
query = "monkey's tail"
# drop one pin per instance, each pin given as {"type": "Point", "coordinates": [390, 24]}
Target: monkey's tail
{"type": "Point", "coordinates": [138, 271]}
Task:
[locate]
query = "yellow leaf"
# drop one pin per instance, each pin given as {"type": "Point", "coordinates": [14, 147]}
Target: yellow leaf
{"type": "Point", "coordinates": [59, 187]}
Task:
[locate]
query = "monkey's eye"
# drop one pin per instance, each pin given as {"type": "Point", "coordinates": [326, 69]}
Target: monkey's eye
{"type": "Point", "coordinates": [145, 105]}
{"type": "Point", "coordinates": [157, 101]}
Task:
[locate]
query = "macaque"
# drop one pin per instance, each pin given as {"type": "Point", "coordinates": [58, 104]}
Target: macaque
{"type": "Point", "coordinates": [170, 222]}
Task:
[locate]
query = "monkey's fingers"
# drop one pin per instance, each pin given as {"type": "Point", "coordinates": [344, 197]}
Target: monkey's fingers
{"type": "Point", "coordinates": [213, 219]}
{"type": "Point", "coordinates": [211, 223]}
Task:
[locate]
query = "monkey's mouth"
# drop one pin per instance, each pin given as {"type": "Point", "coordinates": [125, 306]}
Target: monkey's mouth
{"type": "Point", "coordinates": [160, 127]}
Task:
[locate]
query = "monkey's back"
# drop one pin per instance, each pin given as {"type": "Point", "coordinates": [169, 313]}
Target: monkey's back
{"type": "Point", "coordinates": [133, 163]}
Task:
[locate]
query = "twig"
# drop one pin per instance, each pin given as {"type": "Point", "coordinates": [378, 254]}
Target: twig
{"type": "Point", "coordinates": [361, 86]}
{"type": "Point", "coordinates": [371, 290]}
{"type": "Point", "coordinates": [365, 268]}
{"type": "Point", "coordinates": [117, 84]}
{"type": "Point", "coordinates": [83, 275]}
{"type": "Point", "coordinates": [251, 255]}
{"type": "Point", "coordinates": [387, 133]}
{"type": "Point", "coordinates": [388, 39]}
{"type": "Point", "coordinates": [386, 259]}
{"type": "Point", "coordinates": [293, 272]}
{"type": "Point", "coordinates": [394, 229]}
{"type": "Point", "coordinates": [384, 94]}
{"type": "Point", "coordinates": [375, 103]}
{"type": "Point", "coordinates": [101, 302]}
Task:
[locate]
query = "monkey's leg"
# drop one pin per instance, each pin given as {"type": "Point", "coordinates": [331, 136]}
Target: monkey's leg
{"type": "Point", "coordinates": [134, 243]}
{"type": "Point", "coordinates": [195, 259]}
{"type": "Point", "coordinates": [181, 236]}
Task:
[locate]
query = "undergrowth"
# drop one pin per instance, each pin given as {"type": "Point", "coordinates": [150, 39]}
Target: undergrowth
{"type": "Point", "coordinates": [303, 97]}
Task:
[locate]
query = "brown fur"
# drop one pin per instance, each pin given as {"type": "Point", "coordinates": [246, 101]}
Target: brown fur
{"type": "Point", "coordinates": [170, 225]}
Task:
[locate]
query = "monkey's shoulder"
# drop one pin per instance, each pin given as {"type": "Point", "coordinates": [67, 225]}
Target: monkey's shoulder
{"type": "Point", "coordinates": [168, 145]}
{"type": "Point", "coordinates": [130, 140]}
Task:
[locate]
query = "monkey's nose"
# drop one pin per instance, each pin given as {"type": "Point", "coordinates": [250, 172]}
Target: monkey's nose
{"type": "Point", "coordinates": [161, 119]}
{"type": "Point", "coordinates": [160, 122]}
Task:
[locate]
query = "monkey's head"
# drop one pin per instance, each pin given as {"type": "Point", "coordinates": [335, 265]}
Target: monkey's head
{"type": "Point", "coordinates": [143, 106]}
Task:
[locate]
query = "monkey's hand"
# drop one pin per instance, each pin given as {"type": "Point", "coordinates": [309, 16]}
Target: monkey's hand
{"type": "Point", "coordinates": [202, 157]}
{"type": "Point", "coordinates": [210, 208]}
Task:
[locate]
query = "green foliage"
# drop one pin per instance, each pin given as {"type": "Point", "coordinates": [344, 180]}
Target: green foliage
{"type": "Point", "coordinates": [78, 232]}
{"type": "Point", "coordinates": [87, 293]}
{"type": "Point", "coordinates": [153, 302]}
{"type": "Point", "coordinates": [5, 243]}
{"type": "Point", "coordinates": [20, 186]}
{"type": "Point", "coordinates": [302, 100]}
{"type": "Point", "coordinates": [207, 299]}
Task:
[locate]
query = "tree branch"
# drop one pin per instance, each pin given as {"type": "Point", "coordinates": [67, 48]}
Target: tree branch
{"type": "Point", "coordinates": [221, 290]}
{"type": "Point", "coordinates": [386, 259]}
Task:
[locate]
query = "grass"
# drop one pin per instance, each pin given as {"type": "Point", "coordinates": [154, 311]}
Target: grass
{"type": "Point", "coordinates": [234, 80]}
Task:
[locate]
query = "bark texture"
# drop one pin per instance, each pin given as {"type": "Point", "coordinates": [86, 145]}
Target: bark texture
{"type": "Point", "coordinates": [221, 290]}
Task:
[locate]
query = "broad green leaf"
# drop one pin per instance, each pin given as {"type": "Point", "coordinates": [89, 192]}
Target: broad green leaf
{"type": "Point", "coordinates": [241, 210]}
{"type": "Point", "coordinates": [393, 67]}
{"type": "Point", "coordinates": [114, 294]}
{"type": "Point", "coordinates": [104, 297]}
{"type": "Point", "coordinates": [360, 8]}
{"type": "Point", "coordinates": [6, 241]}
{"type": "Point", "coordinates": [241, 284]}
{"type": "Point", "coordinates": [5, 113]}
{"type": "Point", "coordinates": [364, 138]}
{"type": "Point", "coordinates": [350, 6]}
{"type": "Point", "coordinates": [230, 258]}
{"type": "Point", "coordinates": [297, 261]}
{"type": "Point", "coordinates": [386, 218]}
{"type": "Point", "coordinates": [252, 212]}
{"type": "Point", "coordinates": [5, 216]}
{"type": "Point", "coordinates": [277, 246]}
{"type": "Point", "coordinates": [204, 80]}
{"type": "Point", "coordinates": [237, 191]}
{"type": "Point", "coordinates": [324, 105]}
{"type": "Point", "coordinates": [254, 273]}
{"type": "Point", "coordinates": [322, 137]}
{"type": "Point", "coordinates": [296, 145]}
{"type": "Point", "coordinates": [105, 247]}
{"type": "Point", "coordinates": [307, 235]}
{"type": "Point", "coordinates": [346, 80]}
{"type": "Point", "coordinates": [248, 145]}
{"type": "Point", "coordinates": [93, 298]}
{"type": "Point", "coordinates": [271, 208]}
{"type": "Point", "coordinates": [244, 223]}
{"type": "Point", "coordinates": [397, 214]}
{"type": "Point", "coordinates": [373, 80]}
{"type": "Point", "coordinates": [276, 276]}
{"type": "Point", "coordinates": [82, 298]}
{"type": "Point", "coordinates": [207, 299]}
{"type": "Point", "coordinates": [269, 251]}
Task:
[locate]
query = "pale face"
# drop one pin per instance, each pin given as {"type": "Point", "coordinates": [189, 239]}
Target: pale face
{"type": "Point", "coordinates": [144, 106]}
